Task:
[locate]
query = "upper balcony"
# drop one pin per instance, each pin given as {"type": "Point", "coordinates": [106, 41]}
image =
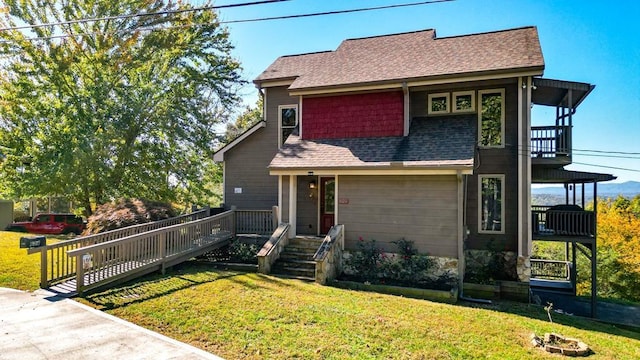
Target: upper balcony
{"type": "Point", "coordinates": [551, 145]}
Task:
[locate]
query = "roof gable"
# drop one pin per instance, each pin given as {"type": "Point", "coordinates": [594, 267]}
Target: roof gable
{"type": "Point", "coordinates": [409, 56]}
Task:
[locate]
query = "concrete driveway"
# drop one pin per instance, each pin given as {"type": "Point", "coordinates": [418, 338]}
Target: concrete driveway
{"type": "Point", "coordinates": [41, 325]}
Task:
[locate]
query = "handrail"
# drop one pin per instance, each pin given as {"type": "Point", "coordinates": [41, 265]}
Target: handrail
{"type": "Point", "coordinates": [328, 257]}
{"type": "Point", "coordinates": [261, 222]}
{"type": "Point", "coordinates": [116, 259]}
{"type": "Point", "coordinates": [271, 250]}
{"type": "Point", "coordinates": [56, 265]}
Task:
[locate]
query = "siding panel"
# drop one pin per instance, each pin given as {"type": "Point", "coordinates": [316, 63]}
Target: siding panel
{"type": "Point", "coordinates": [349, 116]}
{"type": "Point", "coordinates": [422, 209]}
{"type": "Point", "coordinates": [246, 163]}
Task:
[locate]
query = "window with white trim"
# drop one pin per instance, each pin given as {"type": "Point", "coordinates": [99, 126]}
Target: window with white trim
{"type": "Point", "coordinates": [491, 204]}
{"type": "Point", "coordinates": [438, 103]}
{"type": "Point", "coordinates": [463, 101]}
{"type": "Point", "coordinates": [287, 120]}
{"type": "Point", "coordinates": [491, 118]}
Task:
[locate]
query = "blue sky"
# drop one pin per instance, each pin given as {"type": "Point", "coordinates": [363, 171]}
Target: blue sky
{"type": "Point", "coordinates": [589, 41]}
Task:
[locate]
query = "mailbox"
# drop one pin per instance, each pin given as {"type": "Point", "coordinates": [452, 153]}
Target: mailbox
{"type": "Point", "coordinates": [32, 241]}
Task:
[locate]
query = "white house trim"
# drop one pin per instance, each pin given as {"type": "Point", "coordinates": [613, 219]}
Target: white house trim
{"type": "Point", "coordinates": [404, 171]}
{"type": "Point", "coordinates": [293, 199]}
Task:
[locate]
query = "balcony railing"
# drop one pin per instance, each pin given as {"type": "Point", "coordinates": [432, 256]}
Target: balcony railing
{"type": "Point", "coordinates": [550, 141]}
{"type": "Point", "coordinates": [563, 222]}
{"type": "Point", "coordinates": [550, 269]}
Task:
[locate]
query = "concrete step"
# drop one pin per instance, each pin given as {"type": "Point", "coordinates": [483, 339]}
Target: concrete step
{"type": "Point", "coordinates": [303, 278]}
{"type": "Point", "coordinates": [292, 263]}
{"type": "Point", "coordinates": [293, 271]}
{"type": "Point", "coordinates": [297, 255]}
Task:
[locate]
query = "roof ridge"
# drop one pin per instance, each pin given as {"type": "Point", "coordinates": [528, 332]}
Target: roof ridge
{"type": "Point", "coordinates": [309, 53]}
{"type": "Point", "coordinates": [384, 35]}
{"type": "Point", "coordinates": [486, 32]}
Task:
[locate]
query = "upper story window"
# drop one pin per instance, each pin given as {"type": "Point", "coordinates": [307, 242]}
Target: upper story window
{"type": "Point", "coordinates": [287, 120]}
{"type": "Point", "coordinates": [491, 207]}
{"type": "Point", "coordinates": [438, 103]}
{"type": "Point", "coordinates": [491, 118]}
{"type": "Point", "coordinates": [463, 101]}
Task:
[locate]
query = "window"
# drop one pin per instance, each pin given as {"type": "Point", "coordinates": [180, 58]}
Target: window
{"type": "Point", "coordinates": [491, 118]}
{"type": "Point", "coordinates": [288, 120]}
{"type": "Point", "coordinates": [438, 103]}
{"type": "Point", "coordinates": [464, 101]}
{"type": "Point", "coordinates": [491, 197]}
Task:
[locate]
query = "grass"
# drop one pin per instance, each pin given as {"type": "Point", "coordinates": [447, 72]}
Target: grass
{"type": "Point", "coordinates": [17, 269]}
{"type": "Point", "coordinates": [253, 316]}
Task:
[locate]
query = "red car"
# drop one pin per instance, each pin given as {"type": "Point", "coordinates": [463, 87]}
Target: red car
{"type": "Point", "coordinates": [50, 224]}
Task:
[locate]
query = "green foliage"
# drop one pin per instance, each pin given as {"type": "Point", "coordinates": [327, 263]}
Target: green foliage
{"type": "Point", "coordinates": [127, 212]}
{"type": "Point", "coordinates": [366, 261]}
{"type": "Point", "coordinates": [120, 108]}
{"type": "Point", "coordinates": [243, 252]}
{"type": "Point", "coordinates": [249, 117]}
{"type": "Point", "coordinates": [407, 267]}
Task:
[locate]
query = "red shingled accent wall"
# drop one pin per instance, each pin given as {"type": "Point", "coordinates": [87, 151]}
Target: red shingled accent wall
{"type": "Point", "coordinates": [349, 116]}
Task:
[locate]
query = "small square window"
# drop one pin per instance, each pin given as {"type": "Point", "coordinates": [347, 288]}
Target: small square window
{"type": "Point", "coordinates": [464, 101]}
{"type": "Point", "coordinates": [438, 104]}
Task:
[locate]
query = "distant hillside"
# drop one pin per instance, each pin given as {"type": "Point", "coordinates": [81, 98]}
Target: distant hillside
{"type": "Point", "coordinates": [556, 195]}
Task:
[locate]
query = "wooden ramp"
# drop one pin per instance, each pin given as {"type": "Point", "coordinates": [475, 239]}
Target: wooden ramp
{"type": "Point", "coordinates": [129, 257]}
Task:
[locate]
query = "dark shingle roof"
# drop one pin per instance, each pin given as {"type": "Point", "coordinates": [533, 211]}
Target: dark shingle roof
{"type": "Point", "coordinates": [407, 56]}
{"type": "Point", "coordinates": [446, 142]}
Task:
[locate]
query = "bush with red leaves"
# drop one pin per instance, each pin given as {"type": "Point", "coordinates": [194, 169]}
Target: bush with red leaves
{"type": "Point", "coordinates": [127, 212]}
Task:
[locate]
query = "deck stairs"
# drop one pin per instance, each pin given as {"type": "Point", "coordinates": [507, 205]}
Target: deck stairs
{"type": "Point", "coordinates": [296, 261]}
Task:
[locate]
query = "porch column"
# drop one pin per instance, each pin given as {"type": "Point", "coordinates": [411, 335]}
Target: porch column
{"type": "Point", "coordinates": [293, 199]}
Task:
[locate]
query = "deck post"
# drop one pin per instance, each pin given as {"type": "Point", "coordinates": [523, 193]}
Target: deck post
{"type": "Point", "coordinates": [44, 282]}
{"type": "Point", "coordinates": [594, 252]}
{"type": "Point", "coordinates": [79, 275]}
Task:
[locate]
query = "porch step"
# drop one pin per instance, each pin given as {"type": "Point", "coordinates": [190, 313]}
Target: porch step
{"type": "Point", "coordinates": [296, 260]}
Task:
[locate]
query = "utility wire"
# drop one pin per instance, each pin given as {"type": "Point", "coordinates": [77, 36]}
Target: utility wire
{"type": "Point", "coordinates": [212, 7]}
{"type": "Point", "coordinates": [118, 17]}
{"type": "Point", "coordinates": [335, 12]}
{"type": "Point", "coordinates": [607, 167]}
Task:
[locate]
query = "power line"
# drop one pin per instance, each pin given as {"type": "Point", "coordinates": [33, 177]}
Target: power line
{"type": "Point", "coordinates": [607, 167]}
{"type": "Point", "coordinates": [335, 12]}
{"type": "Point", "coordinates": [118, 17]}
{"type": "Point", "coordinates": [207, 8]}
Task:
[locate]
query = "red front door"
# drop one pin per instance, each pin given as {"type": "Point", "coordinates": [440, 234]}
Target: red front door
{"type": "Point", "coordinates": [327, 203]}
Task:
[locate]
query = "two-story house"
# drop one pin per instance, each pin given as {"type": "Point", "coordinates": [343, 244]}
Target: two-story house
{"type": "Point", "coordinates": [409, 136]}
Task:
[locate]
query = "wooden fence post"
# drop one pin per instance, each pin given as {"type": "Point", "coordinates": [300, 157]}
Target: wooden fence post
{"type": "Point", "coordinates": [162, 237]}
{"type": "Point", "coordinates": [79, 274]}
{"type": "Point", "coordinates": [44, 282]}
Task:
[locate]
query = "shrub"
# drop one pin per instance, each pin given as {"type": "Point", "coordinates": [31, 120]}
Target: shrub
{"type": "Point", "coordinates": [127, 212]}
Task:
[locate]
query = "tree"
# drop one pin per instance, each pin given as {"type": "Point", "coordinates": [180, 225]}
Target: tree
{"type": "Point", "coordinates": [124, 107]}
{"type": "Point", "coordinates": [249, 117]}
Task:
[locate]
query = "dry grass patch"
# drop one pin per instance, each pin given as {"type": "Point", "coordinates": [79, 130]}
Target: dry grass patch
{"type": "Point", "coordinates": [252, 316]}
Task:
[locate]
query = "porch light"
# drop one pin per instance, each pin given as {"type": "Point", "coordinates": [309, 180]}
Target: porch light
{"type": "Point", "coordinates": [312, 184]}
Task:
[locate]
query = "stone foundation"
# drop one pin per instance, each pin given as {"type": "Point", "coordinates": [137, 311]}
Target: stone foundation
{"type": "Point", "coordinates": [523, 268]}
{"type": "Point", "coordinates": [489, 265]}
{"type": "Point", "coordinates": [441, 265]}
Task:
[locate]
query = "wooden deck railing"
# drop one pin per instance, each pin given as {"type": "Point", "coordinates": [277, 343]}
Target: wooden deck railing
{"type": "Point", "coordinates": [550, 269]}
{"type": "Point", "coordinates": [563, 223]}
{"type": "Point", "coordinates": [261, 222]}
{"type": "Point", "coordinates": [328, 258]}
{"type": "Point", "coordinates": [107, 262]}
{"type": "Point", "coordinates": [550, 141]}
{"type": "Point", "coordinates": [56, 265]}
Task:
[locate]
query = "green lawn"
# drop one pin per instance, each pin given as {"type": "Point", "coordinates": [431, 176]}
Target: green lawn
{"type": "Point", "coordinates": [17, 269]}
{"type": "Point", "coordinates": [252, 316]}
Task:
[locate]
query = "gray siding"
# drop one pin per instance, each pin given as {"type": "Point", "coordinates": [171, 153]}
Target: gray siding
{"type": "Point", "coordinates": [307, 207]}
{"type": "Point", "coordinates": [488, 161]}
{"type": "Point", "coordinates": [422, 209]}
{"type": "Point", "coordinates": [246, 163]}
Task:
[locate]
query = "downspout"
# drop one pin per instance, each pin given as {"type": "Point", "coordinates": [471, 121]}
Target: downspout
{"type": "Point", "coordinates": [406, 107]}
